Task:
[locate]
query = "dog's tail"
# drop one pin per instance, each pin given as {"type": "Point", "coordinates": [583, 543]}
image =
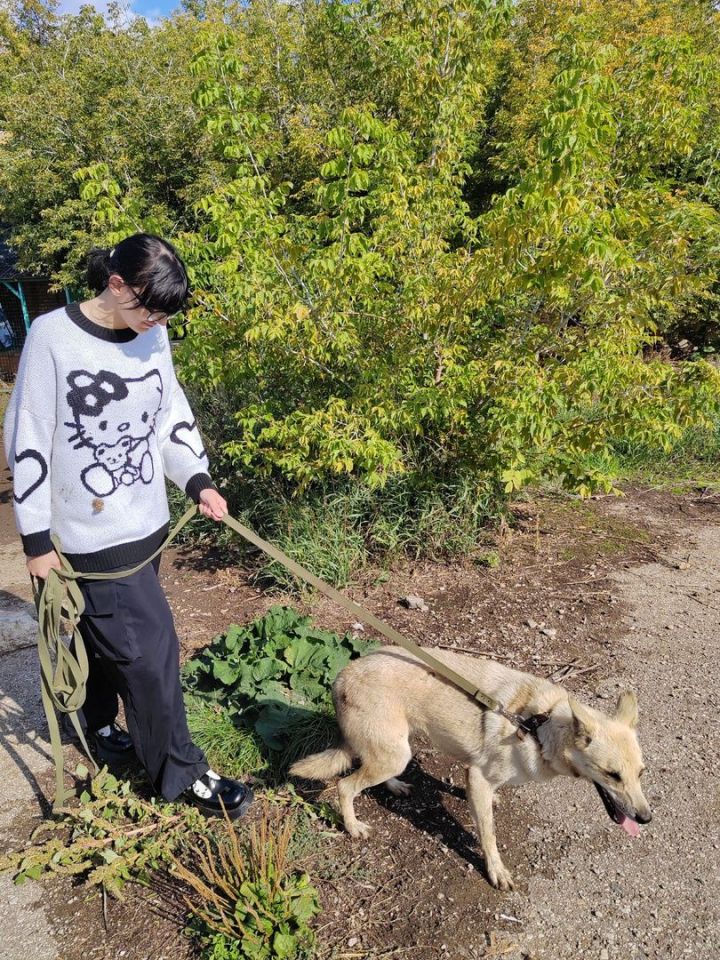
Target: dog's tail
{"type": "Point", "coordinates": [322, 766]}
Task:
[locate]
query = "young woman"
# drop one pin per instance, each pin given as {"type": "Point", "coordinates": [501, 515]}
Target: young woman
{"type": "Point", "coordinates": [96, 421]}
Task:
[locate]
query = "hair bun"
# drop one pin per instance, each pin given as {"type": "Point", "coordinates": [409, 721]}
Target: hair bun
{"type": "Point", "coordinates": [98, 270]}
{"type": "Point", "coordinates": [149, 265]}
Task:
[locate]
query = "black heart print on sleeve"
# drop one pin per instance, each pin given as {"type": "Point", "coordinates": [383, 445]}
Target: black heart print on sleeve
{"type": "Point", "coordinates": [187, 435]}
{"type": "Point", "coordinates": [30, 473]}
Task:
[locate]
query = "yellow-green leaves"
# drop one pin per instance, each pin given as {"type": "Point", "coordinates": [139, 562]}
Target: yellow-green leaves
{"type": "Point", "coordinates": [431, 239]}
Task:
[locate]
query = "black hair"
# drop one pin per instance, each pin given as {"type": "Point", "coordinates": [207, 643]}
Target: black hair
{"type": "Point", "coordinates": [147, 263]}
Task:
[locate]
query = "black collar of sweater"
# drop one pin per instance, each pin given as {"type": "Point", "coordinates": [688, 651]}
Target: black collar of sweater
{"type": "Point", "coordinates": [95, 330]}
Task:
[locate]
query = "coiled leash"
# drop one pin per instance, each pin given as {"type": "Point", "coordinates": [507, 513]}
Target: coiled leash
{"type": "Point", "coordinates": [64, 675]}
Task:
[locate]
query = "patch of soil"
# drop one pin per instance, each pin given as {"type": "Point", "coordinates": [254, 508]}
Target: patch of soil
{"type": "Point", "coordinates": [145, 925]}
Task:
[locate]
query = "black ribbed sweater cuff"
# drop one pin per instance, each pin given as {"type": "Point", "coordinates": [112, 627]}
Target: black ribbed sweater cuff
{"type": "Point", "coordinates": [36, 544]}
{"type": "Point", "coordinates": [198, 483]}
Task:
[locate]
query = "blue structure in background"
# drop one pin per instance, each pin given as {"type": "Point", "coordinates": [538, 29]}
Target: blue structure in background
{"type": "Point", "coordinates": [22, 298]}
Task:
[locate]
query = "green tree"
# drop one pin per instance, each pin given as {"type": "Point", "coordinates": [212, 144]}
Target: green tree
{"type": "Point", "coordinates": [429, 240]}
{"type": "Point", "coordinates": [89, 92]}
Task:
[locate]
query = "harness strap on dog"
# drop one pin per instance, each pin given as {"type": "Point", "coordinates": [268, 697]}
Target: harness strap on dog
{"type": "Point", "coordinates": [532, 724]}
{"type": "Point", "coordinates": [525, 725]}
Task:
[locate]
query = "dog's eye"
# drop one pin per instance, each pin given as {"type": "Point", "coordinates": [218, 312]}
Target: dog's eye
{"type": "Point", "coordinates": [615, 776]}
{"type": "Point", "coordinates": [641, 772]}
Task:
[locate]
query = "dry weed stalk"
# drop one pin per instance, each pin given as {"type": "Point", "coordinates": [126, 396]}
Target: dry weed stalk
{"type": "Point", "coordinates": [241, 890]}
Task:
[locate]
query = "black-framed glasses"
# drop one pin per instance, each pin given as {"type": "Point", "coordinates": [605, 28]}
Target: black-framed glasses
{"type": "Point", "coordinates": [154, 316]}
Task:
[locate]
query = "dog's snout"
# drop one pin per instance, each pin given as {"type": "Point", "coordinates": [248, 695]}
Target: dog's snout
{"type": "Point", "coordinates": [644, 816]}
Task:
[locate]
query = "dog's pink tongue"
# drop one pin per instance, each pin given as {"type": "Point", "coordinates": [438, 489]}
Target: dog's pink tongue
{"type": "Point", "coordinates": [630, 826]}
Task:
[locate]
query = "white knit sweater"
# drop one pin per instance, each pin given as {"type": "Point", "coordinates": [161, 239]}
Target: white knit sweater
{"type": "Point", "coordinates": [95, 419]}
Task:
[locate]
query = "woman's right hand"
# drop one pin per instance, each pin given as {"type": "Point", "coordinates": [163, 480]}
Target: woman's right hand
{"type": "Point", "coordinates": [40, 566]}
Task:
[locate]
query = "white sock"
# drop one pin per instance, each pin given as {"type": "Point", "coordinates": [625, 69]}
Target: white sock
{"type": "Point", "coordinates": [200, 789]}
{"type": "Point", "coordinates": [104, 731]}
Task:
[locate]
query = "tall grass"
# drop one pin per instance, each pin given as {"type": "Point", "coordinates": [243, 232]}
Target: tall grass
{"type": "Point", "coordinates": [338, 532]}
{"type": "Point", "coordinates": [248, 900]}
{"type": "Point", "coordinates": [694, 460]}
{"type": "Point", "coordinates": [237, 751]}
{"type": "Point", "coordinates": [233, 750]}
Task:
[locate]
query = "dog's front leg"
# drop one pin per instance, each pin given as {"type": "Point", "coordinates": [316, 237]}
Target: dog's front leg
{"type": "Point", "coordinates": [480, 795]}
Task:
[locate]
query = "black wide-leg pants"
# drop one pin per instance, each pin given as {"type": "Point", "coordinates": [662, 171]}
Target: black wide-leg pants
{"type": "Point", "coordinates": [133, 652]}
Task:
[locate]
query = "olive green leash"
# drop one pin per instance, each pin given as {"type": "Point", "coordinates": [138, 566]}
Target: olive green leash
{"type": "Point", "coordinates": [64, 676]}
{"type": "Point", "coordinates": [362, 614]}
{"type": "Point", "coordinates": [523, 725]}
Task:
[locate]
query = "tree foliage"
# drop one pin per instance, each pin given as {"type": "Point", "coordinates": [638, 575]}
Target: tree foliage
{"type": "Point", "coordinates": [77, 91]}
{"type": "Point", "coordinates": [427, 239]}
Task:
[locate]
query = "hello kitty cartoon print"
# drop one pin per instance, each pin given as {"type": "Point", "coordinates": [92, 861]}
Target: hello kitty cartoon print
{"type": "Point", "coordinates": [114, 417]}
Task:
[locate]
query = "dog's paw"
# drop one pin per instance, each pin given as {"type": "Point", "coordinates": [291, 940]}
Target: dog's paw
{"type": "Point", "coordinates": [500, 876]}
{"type": "Point", "coordinates": [398, 787]}
{"type": "Point", "coordinates": [359, 830]}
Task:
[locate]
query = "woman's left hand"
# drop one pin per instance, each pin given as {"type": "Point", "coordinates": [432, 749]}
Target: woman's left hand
{"type": "Point", "coordinates": [211, 504]}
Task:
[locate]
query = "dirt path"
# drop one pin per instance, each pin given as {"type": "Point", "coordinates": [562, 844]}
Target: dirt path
{"type": "Point", "coordinates": [608, 895]}
{"type": "Point", "coordinates": [585, 889]}
{"type": "Point", "coordinates": [25, 930]}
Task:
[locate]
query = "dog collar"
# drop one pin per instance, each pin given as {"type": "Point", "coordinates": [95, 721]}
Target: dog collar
{"type": "Point", "coordinates": [524, 725]}
{"type": "Point", "coordinates": [531, 725]}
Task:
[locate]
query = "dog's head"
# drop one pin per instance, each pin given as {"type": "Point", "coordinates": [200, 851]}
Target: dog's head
{"type": "Point", "coordinates": [606, 751]}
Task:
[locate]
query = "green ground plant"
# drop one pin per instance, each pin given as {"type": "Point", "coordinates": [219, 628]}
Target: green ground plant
{"type": "Point", "coordinates": [267, 686]}
{"type": "Point", "coordinates": [112, 838]}
{"type": "Point", "coordinates": [246, 899]}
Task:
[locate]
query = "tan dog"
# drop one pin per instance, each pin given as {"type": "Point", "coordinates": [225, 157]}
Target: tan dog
{"type": "Point", "coordinates": [385, 697]}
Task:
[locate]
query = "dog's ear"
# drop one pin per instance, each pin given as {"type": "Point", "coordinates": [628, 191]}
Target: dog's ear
{"type": "Point", "coordinates": [626, 710]}
{"type": "Point", "coordinates": [582, 724]}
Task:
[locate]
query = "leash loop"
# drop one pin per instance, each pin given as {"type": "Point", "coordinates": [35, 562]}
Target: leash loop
{"type": "Point", "coordinates": [64, 675]}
